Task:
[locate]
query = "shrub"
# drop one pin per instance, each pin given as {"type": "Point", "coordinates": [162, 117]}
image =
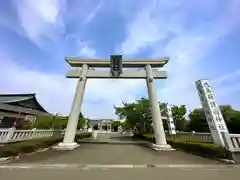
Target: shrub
{"type": "Point", "coordinates": [82, 135]}
{"type": "Point", "coordinates": [147, 137]}
{"type": "Point", "coordinates": [204, 149]}
{"type": "Point", "coordinates": [199, 148]}
{"type": "Point", "coordinates": [5, 152]}
{"type": "Point", "coordinates": [32, 145]}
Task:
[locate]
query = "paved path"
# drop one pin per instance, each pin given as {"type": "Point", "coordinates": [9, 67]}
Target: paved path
{"type": "Point", "coordinates": [112, 161]}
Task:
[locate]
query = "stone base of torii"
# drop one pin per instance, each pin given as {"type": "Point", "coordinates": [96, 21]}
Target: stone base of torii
{"type": "Point", "coordinates": [87, 71]}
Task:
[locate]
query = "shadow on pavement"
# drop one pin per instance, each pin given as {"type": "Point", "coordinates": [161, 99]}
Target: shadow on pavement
{"type": "Point", "coordinates": [125, 138]}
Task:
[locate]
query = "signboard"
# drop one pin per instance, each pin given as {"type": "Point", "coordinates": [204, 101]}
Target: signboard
{"type": "Point", "coordinates": [212, 112]}
{"type": "Point", "coordinates": [171, 125]}
{"type": "Point", "coordinates": [116, 64]}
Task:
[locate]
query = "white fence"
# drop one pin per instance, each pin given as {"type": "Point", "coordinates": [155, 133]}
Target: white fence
{"type": "Point", "coordinates": [12, 135]}
{"type": "Point", "coordinates": [207, 137]}
{"type": "Point", "coordinates": [235, 138]}
{"type": "Point", "coordinates": [193, 136]}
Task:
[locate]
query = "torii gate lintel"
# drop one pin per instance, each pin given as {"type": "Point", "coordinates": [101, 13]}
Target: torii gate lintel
{"type": "Point", "coordinates": [116, 64]}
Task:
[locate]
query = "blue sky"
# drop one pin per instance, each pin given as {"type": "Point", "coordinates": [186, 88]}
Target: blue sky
{"type": "Point", "coordinates": [202, 39]}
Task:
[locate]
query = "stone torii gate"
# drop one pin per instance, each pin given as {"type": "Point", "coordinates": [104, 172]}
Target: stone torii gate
{"type": "Point", "coordinates": [116, 66]}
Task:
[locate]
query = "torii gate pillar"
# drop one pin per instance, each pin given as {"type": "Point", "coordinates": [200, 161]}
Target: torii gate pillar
{"type": "Point", "coordinates": [159, 133]}
{"type": "Point", "coordinates": [116, 72]}
{"type": "Point", "coordinates": [68, 141]}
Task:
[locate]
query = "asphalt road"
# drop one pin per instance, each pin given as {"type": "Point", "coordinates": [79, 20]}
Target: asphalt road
{"type": "Point", "coordinates": [117, 174]}
{"type": "Point", "coordinates": [112, 161]}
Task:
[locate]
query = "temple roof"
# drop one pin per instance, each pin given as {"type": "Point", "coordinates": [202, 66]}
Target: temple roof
{"type": "Point", "coordinates": [21, 102]}
{"type": "Point", "coordinates": [8, 98]}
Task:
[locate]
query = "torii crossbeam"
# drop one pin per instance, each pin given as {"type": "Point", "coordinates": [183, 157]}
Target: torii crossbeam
{"type": "Point", "coordinates": [115, 65]}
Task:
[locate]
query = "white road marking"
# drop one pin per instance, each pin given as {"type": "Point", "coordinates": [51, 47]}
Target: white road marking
{"type": "Point", "coordinates": [118, 166]}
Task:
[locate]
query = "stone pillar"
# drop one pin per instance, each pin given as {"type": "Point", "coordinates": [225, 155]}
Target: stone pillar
{"type": "Point", "coordinates": [160, 138]}
{"type": "Point", "coordinates": [68, 141]}
{"type": "Point", "coordinates": [170, 122]}
{"type": "Point", "coordinates": [212, 112]}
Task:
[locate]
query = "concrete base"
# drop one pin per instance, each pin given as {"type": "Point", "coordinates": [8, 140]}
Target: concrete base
{"type": "Point", "coordinates": [66, 146]}
{"type": "Point", "coordinates": [236, 157]}
{"type": "Point", "coordinates": [162, 147]}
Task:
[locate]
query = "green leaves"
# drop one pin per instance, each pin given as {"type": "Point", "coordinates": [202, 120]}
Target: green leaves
{"type": "Point", "coordinates": [179, 118]}
{"type": "Point", "coordinates": [81, 121]}
{"type": "Point", "coordinates": [49, 122]}
{"type": "Point", "coordinates": [138, 115]}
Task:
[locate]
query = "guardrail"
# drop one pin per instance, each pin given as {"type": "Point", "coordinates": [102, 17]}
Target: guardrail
{"type": "Point", "coordinates": [13, 135]}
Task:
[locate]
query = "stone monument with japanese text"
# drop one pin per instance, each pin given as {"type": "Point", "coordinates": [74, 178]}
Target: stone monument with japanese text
{"type": "Point", "coordinates": [212, 112]}
{"type": "Point", "coordinates": [170, 122]}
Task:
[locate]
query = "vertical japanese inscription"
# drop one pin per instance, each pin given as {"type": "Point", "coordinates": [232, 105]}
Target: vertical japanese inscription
{"type": "Point", "coordinates": [116, 65]}
{"type": "Point", "coordinates": [210, 107]}
{"type": "Point", "coordinates": [171, 125]}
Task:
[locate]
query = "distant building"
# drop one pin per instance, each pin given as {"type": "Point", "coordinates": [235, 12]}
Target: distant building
{"type": "Point", "coordinates": [16, 107]}
{"type": "Point", "coordinates": [100, 124]}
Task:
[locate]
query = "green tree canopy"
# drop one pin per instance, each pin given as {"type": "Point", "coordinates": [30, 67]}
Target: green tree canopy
{"type": "Point", "coordinates": [49, 122]}
{"type": "Point", "coordinates": [197, 121]}
{"type": "Point", "coordinates": [179, 113]}
{"type": "Point", "coordinates": [138, 115]}
{"type": "Point", "coordinates": [81, 121]}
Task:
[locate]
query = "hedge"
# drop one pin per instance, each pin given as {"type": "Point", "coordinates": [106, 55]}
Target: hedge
{"type": "Point", "coordinates": [198, 148]}
{"type": "Point", "coordinates": [32, 145]}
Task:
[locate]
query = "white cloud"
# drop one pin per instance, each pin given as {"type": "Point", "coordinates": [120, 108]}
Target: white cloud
{"type": "Point", "coordinates": [142, 32]}
{"type": "Point", "coordinates": [93, 13]}
{"type": "Point", "coordinates": [87, 52]}
{"type": "Point", "coordinates": [149, 28]}
{"type": "Point", "coordinates": [36, 18]}
{"type": "Point", "coordinates": [167, 35]}
{"type": "Point", "coordinates": [227, 84]}
{"type": "Point", "coordinates": [55, 92]}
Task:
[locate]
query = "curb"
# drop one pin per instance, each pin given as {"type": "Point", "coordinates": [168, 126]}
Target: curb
{"type": "Point", "coordinates": [227, 161]}
{"type": "Point", "coordinates": [151, 146]}
{"type": "Point", "coordinates": [11, 158]}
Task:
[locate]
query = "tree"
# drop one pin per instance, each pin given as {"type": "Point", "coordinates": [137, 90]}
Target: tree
{"type": "Point", "coordinates": [197, 121]}
{"type": "Point", "coordinates": [226, 110]}
{"type": "Point", "coordinates": [179, 119]}
{"type": "Point", "coordinates": [137, 115]}
{"type": "Point", "coordinates": [81, 121]}
{"type": "Point", "coordinates": [44, 122]}
{"type": "Point", "coordinates": [233, 122]}
{"type": "Point", "coordinates": [50, 122]}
